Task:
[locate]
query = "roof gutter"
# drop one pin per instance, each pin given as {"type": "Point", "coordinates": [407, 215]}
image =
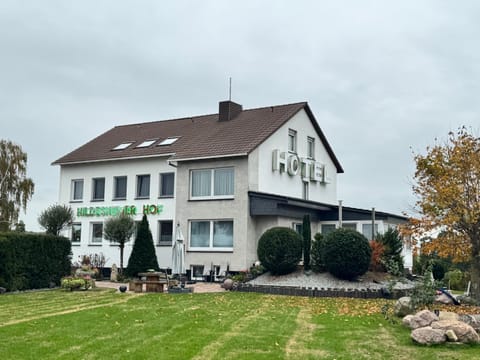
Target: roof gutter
{"type": "Point", "coordinates": [112, 159]}
{"type": "Point", "coordinates": [211, 157]}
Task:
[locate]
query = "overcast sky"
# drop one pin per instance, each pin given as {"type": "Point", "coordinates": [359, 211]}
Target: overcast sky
{"type": "Point", "coordinates": [383, 78]}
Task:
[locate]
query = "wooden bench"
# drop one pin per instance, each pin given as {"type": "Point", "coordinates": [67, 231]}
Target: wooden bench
{"type": "Point", "coordinates": [151, 286]}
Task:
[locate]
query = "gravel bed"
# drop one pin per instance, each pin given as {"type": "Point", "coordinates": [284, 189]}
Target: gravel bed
{"type": "Point", "coordinates": [324, 280]}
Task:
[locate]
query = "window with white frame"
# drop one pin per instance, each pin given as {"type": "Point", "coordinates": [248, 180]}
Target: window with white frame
{"type": "Point", "coordinates": [76, 233]}
{"type": "Point", "coordinates": [165, 232]}
{"type": "Point", "coordinates": [98, 188]}
{"type": "Point", "coordinates": [77, 190]}
{"type": "Point", "coordinates": [216, 235]}
{"type": "Point", "coordinates": [310, 147]}
{"type": "Point", "coordinates": [367, 231]}
{"type": "Point", "coordinates": [212, 183]}
{"type": "Point", "coordinates": [97, 233]}
{"type": "Point", "coordinates": [292, 140]}
{"type": "Point", "coordinates": [167, 184]}
{"type": "Point", "coordinates": [327, 229]}
{"type": "Point", "coordinates": [298, 227]}
{"type": "Point", "coordinates": [143, 186]}
{"type": "Point", "coordinates": [352, 226]}
{"type": "Point", "coordinates": [119, 188]}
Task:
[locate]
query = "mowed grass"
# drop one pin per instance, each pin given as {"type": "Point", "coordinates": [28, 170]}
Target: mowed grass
{"type": "Point", "coordinates": [103, 324]}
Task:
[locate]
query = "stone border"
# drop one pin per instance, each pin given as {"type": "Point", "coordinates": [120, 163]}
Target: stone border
{"type": "Point", "coordinates": [319, 292]}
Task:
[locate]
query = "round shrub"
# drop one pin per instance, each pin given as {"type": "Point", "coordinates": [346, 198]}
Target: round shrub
{"type": "Point", "coordinates": [347, 253]}
{"type": "Point", "coordinates": [280, 250]}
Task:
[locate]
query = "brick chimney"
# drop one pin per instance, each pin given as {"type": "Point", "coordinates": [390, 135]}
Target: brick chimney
{"type": "Point", "coordinates": [227, 110]}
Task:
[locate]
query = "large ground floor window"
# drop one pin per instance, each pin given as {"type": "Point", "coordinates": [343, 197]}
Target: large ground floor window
{"type": "Point", "coordinates": [214, 235]}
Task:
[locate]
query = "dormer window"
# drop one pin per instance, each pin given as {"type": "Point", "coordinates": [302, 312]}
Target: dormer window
{"type": "Point", "coordinates": [123, 146]}
{"type": "Point", "coordinates": [168, 141]}
{"type": "Point", "coordinates": [146, 143]}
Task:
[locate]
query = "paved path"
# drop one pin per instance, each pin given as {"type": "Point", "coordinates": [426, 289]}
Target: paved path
{"type": "Point", "coordinates": [199, 287]}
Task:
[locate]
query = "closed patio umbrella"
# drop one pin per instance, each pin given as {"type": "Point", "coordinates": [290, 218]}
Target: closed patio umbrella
{"type": "Point", "coordinates": [178, 253]}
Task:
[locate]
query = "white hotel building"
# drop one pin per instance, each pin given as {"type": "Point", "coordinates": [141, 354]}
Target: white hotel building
{"type": "Point", "coordinates": [225, 178]}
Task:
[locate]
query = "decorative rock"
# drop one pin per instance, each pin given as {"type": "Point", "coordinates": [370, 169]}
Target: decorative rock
{"type": "Point", "coordinates": [470, 320]}
{"type": "Point", "coordinates": [447, 315]}
{"type": "Point", "coordinates": [422, 319]}
{"type": "Point", "coordinates": [443, 299]}
{"type": "Point", "coordinates": [114, 273]}
{"type": "Point", "coordinates": [464, 332]}
{"type": "Point", "coordinates": [450, 334]}
{"type": "Point", "coordinates": [403, 306]}
{"type": "Point", "coordinates": [2, 290]}
{"type": "Point", "coordinates": [228, 284]}
{"type": "Point", "coordinates": [428, 336]}
{"type": "Point", "coordinates": [406, 320]}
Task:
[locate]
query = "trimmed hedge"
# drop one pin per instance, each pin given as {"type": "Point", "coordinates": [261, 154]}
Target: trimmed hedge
{"type": "Point", "coordinates": [280, 250]}
{"type": "Point", "coordinates": [347, 253]}
{"type": "Point", "coordinates": [33, 261]}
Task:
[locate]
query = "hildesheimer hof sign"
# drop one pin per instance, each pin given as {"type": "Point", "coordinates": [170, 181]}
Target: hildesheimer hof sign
{"type": "Point", "coordinates": [308, 169]}
{"type": "Point", "coordinates": [116, 210]}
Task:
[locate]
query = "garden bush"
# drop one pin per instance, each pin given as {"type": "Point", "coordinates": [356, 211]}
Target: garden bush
{"type": "Point", "coordinates": [347, 253]}
{"type": "Point", "coordinates": [280, 250]}
{"type": "Point", "coordinates": [317, 254]}
{"type": "Point", "coordinates": [457, 279]}
{"type": "Point", "coordinates": [392, 258]}
{"type": "Point", "coordinates": [376, 263]}
{"type": "Point", "coordinates": [33, 261]}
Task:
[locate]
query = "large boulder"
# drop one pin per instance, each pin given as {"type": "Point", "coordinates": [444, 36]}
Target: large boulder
{"type": "Point", "coordinates": [444, 299]}
{"type": "Point", "coordinates": [428, 336]}
{"type": "Point", "coordinates": [422, 318]}
{"type": "Point", "coordinates": [447, 315]}
{"type": "Point", "coordinates": [406, 320]}
{"type": "Point", "coordinates": [472, 320]}
{"type": "Point", "coordinates": [403, 306]}
{"type": "Point", "coordinates": [464, 332]}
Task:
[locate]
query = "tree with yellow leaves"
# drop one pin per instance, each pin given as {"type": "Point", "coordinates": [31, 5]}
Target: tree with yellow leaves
{"type": "Point", "coordinates": [447, 184]}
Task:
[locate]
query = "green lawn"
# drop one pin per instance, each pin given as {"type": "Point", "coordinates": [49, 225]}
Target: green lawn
{"type": "Point", "coordinates": [102, 324]}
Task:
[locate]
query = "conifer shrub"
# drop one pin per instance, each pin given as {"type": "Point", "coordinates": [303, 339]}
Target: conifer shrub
{"type": "Point", "coordinates": [143, 255]}
{"type": "Point", "coordinates": [307, 242]}
{"type": "Point", "coordinates": [280, 250]}
{"type": "Point", "coordinates": [347, 253]}
{"type": "Point", "coordinates": [318, 253]}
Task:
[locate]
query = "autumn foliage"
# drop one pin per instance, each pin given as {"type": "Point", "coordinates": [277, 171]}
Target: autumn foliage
{"type": "Point", "coordinates": [447, 184]}
{"type": "Point", "coordinates": [376, 263]}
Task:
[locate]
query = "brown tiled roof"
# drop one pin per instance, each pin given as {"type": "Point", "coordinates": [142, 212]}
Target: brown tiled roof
{"type": "Point", "coordinates": [199, 136]}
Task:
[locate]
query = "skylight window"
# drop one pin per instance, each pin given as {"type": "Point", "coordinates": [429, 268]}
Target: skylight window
{"type": "Point", "coordinates": [123, 146]}
{"type": "Point", "coordinates": [168, 141]}
{"type": "Point", "coordinates": [146, 143]}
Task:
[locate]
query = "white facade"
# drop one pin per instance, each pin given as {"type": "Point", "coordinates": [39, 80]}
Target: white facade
{"type": "Point", "coordinates": [109, 170]}
{"type": "Point", "coordinates": [213, 199]}
{"type": "Point", "coordinates": [263, 179]}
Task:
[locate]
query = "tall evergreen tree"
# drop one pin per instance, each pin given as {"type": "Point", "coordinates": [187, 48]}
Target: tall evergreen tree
{"type": "Point", "coordinates": [143, 255]}
{"type": "Point", "coordinates": [307, 242]}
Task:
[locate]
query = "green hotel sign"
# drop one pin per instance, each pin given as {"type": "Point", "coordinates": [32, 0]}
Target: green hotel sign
{"type": "Point", "coordinates": [116, 210]}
